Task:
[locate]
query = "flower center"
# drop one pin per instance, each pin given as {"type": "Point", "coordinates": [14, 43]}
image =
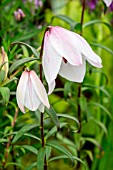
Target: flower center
{"type": "Point", "coordinates": [65, 61]}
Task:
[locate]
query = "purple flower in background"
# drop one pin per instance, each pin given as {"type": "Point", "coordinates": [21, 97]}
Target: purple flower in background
{"type": "Point", "coordinates": [37, 3]}
{"type": "Point", "coordinates": [111, 7]}
{"type": "Point", "coordinates": [19, 14]}
{"type": "Point", "coordinates": [92, 4]}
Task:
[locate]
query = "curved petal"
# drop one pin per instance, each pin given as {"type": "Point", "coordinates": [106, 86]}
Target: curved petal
{"type": "Point", "coordinates": [41, 108]}
{"type": "Point", "coordinates": [51, 87]}
{"type": "Point", "coordinates": [87, 51]}
{"type": "Point", "coordinates": [64, 43]}
{"type": "Point", "coordinates": [72, 44]}
{"type": "Point", "coordinates": [108, 2]}
{"type": "Point", "coordinates": [21, 90]}
{"type": "Point", "coordinates": [39, 88]}
{"type": "Point", "coordinates": [32, 100]}
{"type": "Point", "coordinates": [73, 73]}
{"type": "Point", "coordinates": [51, 60]}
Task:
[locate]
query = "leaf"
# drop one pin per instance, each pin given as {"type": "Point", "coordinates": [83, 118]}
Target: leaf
{"type": "Point", "coordinates": [32, 136]}
{"type": "Point", "coordinates": [34, 51]}
{"type": "Point", "coordinates": [70, 117]}
{"type": "Point", "coordinates": [87, 86]}
{"type": "Point", "coordinates": [101, 107]}
{"type": "Point", "coordinates": [54, 130]}
{"type": "Point", "coordinates": [2, 140]}
{"type": "Point", "coordinates": [2, 76]}
{"type": "Point", "coordinates": [30, 148]}
{"type": "Point", "coordinates": [5, 92]}
{"type": "Point", "coordinates": [66, 157]}
{"type": "Point", "coordinates": [14, 163]}
{"type": "Point", "coordinates": [31, 166]}
{"type": "Point", "coordinates": [51, 112]}
{"type": "Point", "coordinates": [48, 152]}
{"type": "Point", "coordinates": [100, 124]}
{"type": "Point", "coordinates": [64, 18]}
{"type": "Point", "coordinates": [103, 47]}
{"type": "Point", "coordinates": [96, 22]}
{"type": "Point", "coordinates": [67, 89]}
{"type": "Point", "coordinates": [68, 20]}
{"type": "Point", "coordinates": [41, 158]}
{"type": "Point", "coordinates": [22, 131]}
{"type": "Point", "coordinates": [25, 36]}
{"type": "Point", "coordinates": [92, 141]}
{"type": "Point", "coordinates": [83, 103]}
{"type": "Point", "coordinates": [62, 149]}
{"type": "Point", "coordinates": [20, 62]}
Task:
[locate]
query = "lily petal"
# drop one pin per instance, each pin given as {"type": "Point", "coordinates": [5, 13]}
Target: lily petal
{"type": "Point", "coordinates": [51, 60]}
{"type": "Point", "coordinates": [66, 45]}
{"type": "Point", "coordinates": [32, 100]}
{"type": "Point", "coordinates": [73, 73]}
{"type": "Point", "coordinates": [108, 2]}
{"type": "Point", "coordinates": [21, 90]}
{"type": "Point", "coordinates": [51, 87]}
{"type": "Point", "coordinates": [39, 88]}
{"type": "Point", "coordinates": [86, 50]}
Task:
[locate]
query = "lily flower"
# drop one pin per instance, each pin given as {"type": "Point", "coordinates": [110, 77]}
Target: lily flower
{"type": "Point", "coordinates": [31, 92]}
{"type": "Point", "coordinates": [65, 53]}
{"type": "Point", "coordinates": [108, 2]}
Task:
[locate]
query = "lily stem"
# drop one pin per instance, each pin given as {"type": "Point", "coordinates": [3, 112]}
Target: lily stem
{"type": "Point", "coordinates": [42, 114]}
{"type": "Point", "coordinates": [82, 16]}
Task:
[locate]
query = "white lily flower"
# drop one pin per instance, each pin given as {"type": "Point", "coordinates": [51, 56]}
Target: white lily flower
{"type": "Point", "coordinates": [65, 53]}
{"type": "Point", "coordinates": [31, 92]}
{"type": "Point", "coordinates": [108, 2]}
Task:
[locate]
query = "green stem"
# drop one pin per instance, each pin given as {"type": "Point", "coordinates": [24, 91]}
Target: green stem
{"type": "Point", "coordinates": [42, 115]}
{"type": "Point", "coordinates": [79, 86]}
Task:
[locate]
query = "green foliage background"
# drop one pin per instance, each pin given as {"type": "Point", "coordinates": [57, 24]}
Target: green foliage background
{"type": "Point", "coordinates": [94, 145]}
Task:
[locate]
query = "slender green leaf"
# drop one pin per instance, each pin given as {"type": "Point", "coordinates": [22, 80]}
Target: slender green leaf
{"type": "Point", "coordinates": [22, 131]}
{"type": "Point", "coordinates": [103, 47]}
{"type": "Point", "coordinates": [19, 63]}
{"type": "Point", "coordinates": [62, 149]}
{"type": "Point", "coordinates": [92, 141]}
{"type": "Point", "coordinates": [30, 148]}
{"type": "Point", "coordinates": [101, 107]}
{"type": "Point", "coordinates": [48, 152]}
{"type": "Point", "coordinates": [64, 18]}
{"type": "Point", "coordinates": [96, 22]}
{"type": "Point", "coordinates": [41, 158]}
{"type": "Point", "coordinates": [2, 140]}
{"type": "Point", "coordinates": [67, 89]}
{"type": "Point", "coordinates": [66, 157]}
{"type": "Point", "coordinates": [53, 115]}
{"type": "Point", "coordinates": [70, 117]}
{"type": "Point", "coordinates": [2, 76]}
{"type": "Point", "coordinates": [31, 166]}
{"type": "Point", "coordinates": [32, 136]}
{"type": "Point", "coordinates": [5, 92]}
{"type": "Point", "coordinates": [54, 130]}
{"type": "Point", "coordinates": [25, 36]}
{"type": "Point", "coordinates": [34, 51]}
{"type": "Point", "coordinates": [14, 163]}
{"type": "Point", "coordinates": [100, 124]}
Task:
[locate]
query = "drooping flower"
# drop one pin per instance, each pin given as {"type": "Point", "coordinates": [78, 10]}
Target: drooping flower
{"type": "Point", "coordinates": [31, 93]}
{"type": "Point", "coordinates": [3, 65]}
{"type": "Point", "coordinates": [108, 2]}
{"type": "Point", "coordinates": [19, 14]}
{"type": "Point", "coordinates": [66, 52]}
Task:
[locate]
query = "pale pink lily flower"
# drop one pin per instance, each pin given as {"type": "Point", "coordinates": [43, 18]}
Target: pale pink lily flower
{"type": "Point", "coordinates": [65, 53]}
{"type": "Point", "coordinates": [108, 2]}
{"type": "Point", "coordinates": [31, 93]}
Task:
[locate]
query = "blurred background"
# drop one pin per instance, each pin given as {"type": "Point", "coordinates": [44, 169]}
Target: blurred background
{"type": "Point", "coordinates": [26, 21]}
